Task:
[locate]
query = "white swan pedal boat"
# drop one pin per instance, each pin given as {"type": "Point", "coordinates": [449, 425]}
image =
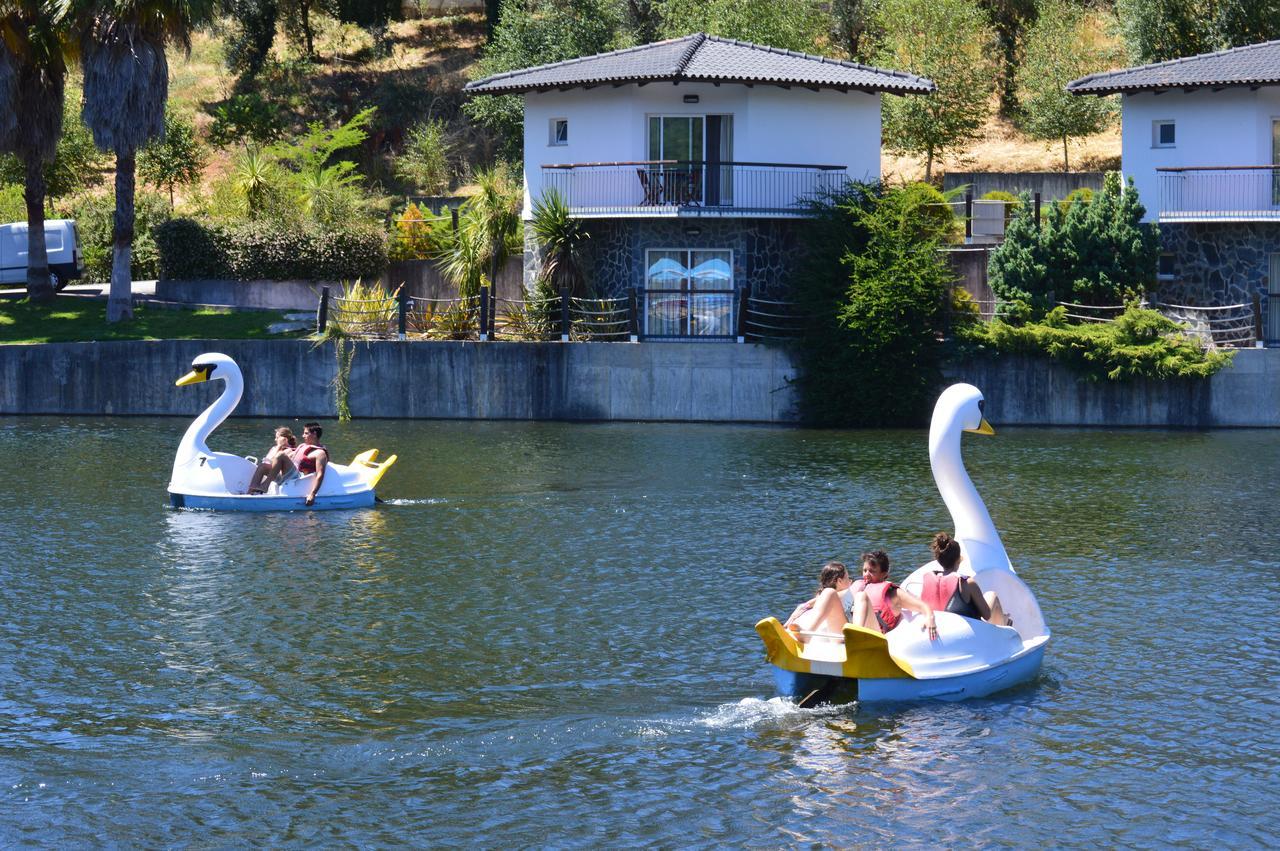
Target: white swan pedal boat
{"type": "Point", "coordinates": [218, 480]}
{"type": "Point", "coordinates": [969, 658]}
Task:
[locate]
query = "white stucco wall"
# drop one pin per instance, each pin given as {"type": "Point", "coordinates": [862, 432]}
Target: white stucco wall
{"type": "Point", "coordinates": [1231, 127]}
{"type": "Point", "coordinates": [770, 124]}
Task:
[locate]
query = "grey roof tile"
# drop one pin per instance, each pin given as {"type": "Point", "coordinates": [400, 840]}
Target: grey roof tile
{"type": "Point", "coordinates": [1251, 65]}
{"type": "Point", "coordinates": [704, 58]}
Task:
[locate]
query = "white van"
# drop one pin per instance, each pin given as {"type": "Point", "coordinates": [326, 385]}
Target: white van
{"type": "Point", "coordinates": [61, 241]}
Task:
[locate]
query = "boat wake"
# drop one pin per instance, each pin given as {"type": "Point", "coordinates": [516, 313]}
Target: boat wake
{"type": "Point", "coordinates": [432, 501]}
{"type": "Point", "coordinates": [752, 711]}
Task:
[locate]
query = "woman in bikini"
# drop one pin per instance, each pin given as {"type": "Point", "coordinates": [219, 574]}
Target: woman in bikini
{"type": "Point", "coordinates": [284, 445]}
{"type": "Point", "coordinates": [827, 611]}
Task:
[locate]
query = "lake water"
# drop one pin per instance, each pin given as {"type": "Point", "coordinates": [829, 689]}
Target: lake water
{"type": "Point", "coordinates": [544, 638]}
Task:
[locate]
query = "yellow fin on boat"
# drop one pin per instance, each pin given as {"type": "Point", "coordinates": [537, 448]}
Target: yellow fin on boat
{"type": "Point", "coordinates": [366, 459]}
{"type": "Point", "coordinates": [867, 655]}
{"type": "Point", "coordinates": [864, 654]}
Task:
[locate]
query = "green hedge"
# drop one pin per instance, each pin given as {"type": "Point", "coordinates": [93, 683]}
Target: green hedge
{"type": "Point", "coordinates": [191, 250]}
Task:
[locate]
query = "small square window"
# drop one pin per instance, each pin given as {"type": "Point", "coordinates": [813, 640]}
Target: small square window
{"type": "Point", "coordinates": [1162, 134]}
{"type": "Point", "coordinates": [559, 131]}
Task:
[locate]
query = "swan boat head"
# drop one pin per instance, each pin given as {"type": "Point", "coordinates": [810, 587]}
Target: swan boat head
{"type": "Point", "coordinates": [958, 410]}
{"type": "Point", "coordinates": [195, 468]}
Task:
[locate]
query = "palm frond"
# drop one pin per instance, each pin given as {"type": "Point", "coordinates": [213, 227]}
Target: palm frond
{"type": "Point", "coordinates": [126, 84]}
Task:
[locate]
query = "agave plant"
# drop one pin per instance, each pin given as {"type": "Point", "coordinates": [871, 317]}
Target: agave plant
{"type": "Point", "coordinates": [364, 309]}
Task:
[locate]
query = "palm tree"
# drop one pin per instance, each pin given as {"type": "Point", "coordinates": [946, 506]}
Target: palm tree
{"type": "Point", "coordinates": [34, 43]}
{"type": "Point", "coordinates": [126, 86]}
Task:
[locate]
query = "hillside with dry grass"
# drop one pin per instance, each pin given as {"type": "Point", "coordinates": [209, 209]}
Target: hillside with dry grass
{"type": "Point", "coordinates": [423, 70]}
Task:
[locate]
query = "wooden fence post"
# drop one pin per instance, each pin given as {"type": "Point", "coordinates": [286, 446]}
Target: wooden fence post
{"type": "Point", "coordinates": [564, 315]}
{"type": "Point", "coordinates": [1037, 202]}
{"type": "Point", "coordinates": [404, 314]}
{"type": "Point", "coordinates": [1257, 321]}
{"type": "Point", "coordinates": [493, 312]}
{"type": "Point", "coordinates": [744, 299]}
{"type": "Point", "coordinates": [453, 217]}
{"type": "Point", "coordinates": [322, 314]}
{"type": "Point", "coordinates": [968, 217]}
{"type": "Point", "coordinates": [484, 314]}
{"type": "Point", "coordinates": [633, 309]}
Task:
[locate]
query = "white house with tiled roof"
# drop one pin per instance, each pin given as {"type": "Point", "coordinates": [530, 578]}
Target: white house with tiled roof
{"type": "Point", "coordinates": [1201, 140]}
{"type": "Point", "coordinates": [693, 160]}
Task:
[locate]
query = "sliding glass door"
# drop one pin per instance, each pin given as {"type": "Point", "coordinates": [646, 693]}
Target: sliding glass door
{"type": "Point", "coordinates": [698, 145]}
{"type": "Point", "coordinates": [689, 292]}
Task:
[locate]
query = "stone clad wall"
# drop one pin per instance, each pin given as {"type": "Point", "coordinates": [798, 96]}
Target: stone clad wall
{"type": "Point", "coordinates": [1217, 263]}
{"type": "Point", "coordinates": [766, 252]}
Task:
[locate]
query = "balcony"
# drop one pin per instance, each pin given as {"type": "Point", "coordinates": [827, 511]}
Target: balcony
{"type": "Point", "coordinates": [1248, 193]}
{"type": "Point", "coordinates": [674, 189]}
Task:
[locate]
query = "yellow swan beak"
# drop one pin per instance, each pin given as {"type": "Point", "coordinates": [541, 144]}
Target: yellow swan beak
{"type": "Point", "coordinates": [195, 376]}
{"type": "Point", "coordinates": [984, 427]}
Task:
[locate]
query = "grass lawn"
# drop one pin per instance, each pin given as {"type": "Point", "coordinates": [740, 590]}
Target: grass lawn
{"type": "Point", "coordinates": [78, 320]}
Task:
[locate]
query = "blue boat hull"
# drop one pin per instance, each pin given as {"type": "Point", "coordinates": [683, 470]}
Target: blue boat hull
{"type": "Point", "coordinates": [245, 502]}
{"type": "Point", "coordinates": [812, 689]}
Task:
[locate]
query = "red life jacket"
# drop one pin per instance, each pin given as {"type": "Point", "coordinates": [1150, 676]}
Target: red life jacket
{"type": "Point", "coordinates": [878, 596]}
{"type": "Point", "coordinates": [942, 591]}
{"type": "Point", "coordinates": [302, 458]}
{"type": "Point", "coordinates": [939, 588]}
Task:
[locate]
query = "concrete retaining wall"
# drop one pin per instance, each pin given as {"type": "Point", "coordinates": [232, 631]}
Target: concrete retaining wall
{"type": "Point", "coordinates": [585, 381]}
{"type": "Point", "coordinates": [420, 278]}
{"type": "Point", "coordinates": [564, 381]}
{"type": "Point", "coordinates": [1052, 185]}
{"type": "Point", "coordinates": [1033, 391]}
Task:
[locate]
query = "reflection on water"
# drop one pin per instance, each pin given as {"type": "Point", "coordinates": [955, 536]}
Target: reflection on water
{"type": "Point", "coordinates": [544, 635]}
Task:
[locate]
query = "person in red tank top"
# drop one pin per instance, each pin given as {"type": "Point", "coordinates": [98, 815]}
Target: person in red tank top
{"type": "Point", "coordinates": [312, 457]}
{"type": "Point", "coordinates": [948, 591]}
{"type": "Point", "coordinates": [880, 603]}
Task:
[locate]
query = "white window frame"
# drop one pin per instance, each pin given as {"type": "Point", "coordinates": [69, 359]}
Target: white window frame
{"type": "Point", "coordinates": [1157, 126]}
{"type": "Point", "coordinates": [732, 285]}
{"type": "Point", "coordinates": [553, 137]}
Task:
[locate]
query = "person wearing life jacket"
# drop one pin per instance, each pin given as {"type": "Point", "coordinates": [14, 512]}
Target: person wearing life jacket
{"type": "Point", "coordinates": [947, 590]}
{"type": "Point", "coordinates": [826, 611]}
{"type": "Point", "coordinates": [880, 603]}
{"type": "Point", "coordinates": [311, 457]}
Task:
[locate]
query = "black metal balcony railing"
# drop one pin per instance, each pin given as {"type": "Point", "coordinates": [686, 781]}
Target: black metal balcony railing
{"type": "Point", "coordinates": [1226, 193]}
{"type": "Point", "coordinates": [670, 187]}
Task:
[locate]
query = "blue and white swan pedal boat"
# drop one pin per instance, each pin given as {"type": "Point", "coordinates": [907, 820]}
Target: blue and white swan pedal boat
{"type": "Point", "coordinates": [969, 658]}
{"type": "Point", "coordinates": [205, 479]}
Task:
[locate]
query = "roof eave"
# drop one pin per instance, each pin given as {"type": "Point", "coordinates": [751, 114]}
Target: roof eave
{"type": "Point", "coordinates": [1216, 85]}
{"type": "Point", "coordinates": [478, 87]}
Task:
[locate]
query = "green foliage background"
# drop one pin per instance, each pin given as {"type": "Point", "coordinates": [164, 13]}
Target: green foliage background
{"type": "Point", "coordinates": [1096, 252]}
{"type": "Point", "coordinates": [1139, 344]}
{"type": "Point", "coordinates": [191, 250]}
{"type": "Point", "coordinates": [950, 43]}
{"type": "Point", "coordinates": [873, 288]}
